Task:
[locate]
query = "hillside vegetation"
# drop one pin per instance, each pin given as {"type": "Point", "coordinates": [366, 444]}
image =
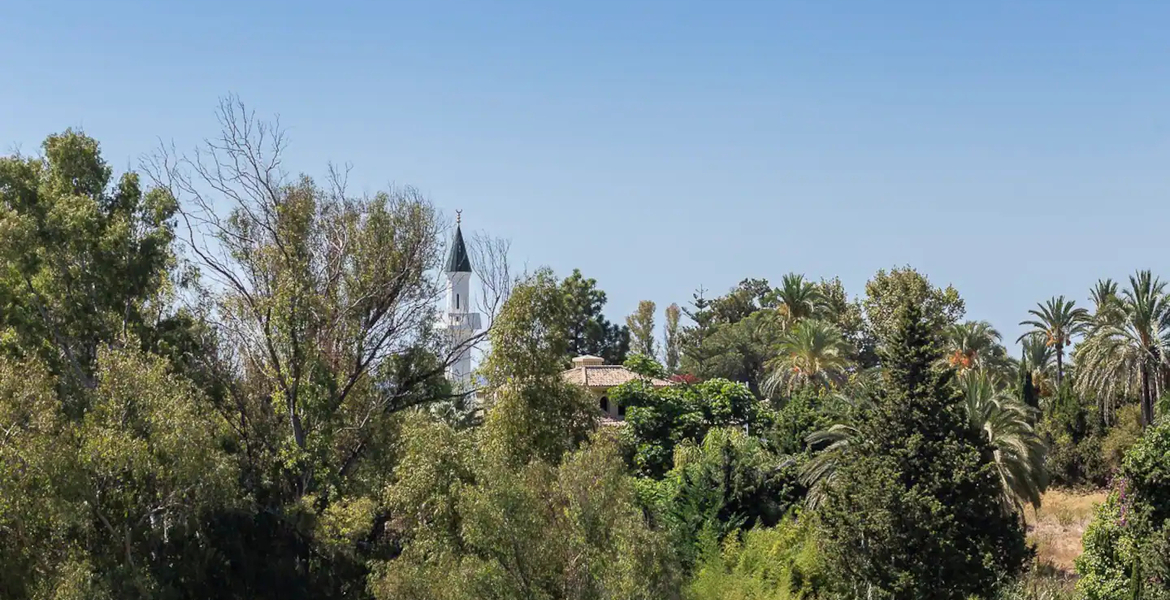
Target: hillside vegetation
{"type": "Point", "coordinates": [221, 380]}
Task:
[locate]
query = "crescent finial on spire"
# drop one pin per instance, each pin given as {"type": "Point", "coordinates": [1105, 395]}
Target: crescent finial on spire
{"type": "Point", "coordinates": [458, 216]}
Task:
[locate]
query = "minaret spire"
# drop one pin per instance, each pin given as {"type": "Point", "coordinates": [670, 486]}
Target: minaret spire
{"type": "Point", "coordinates": [460, 321]}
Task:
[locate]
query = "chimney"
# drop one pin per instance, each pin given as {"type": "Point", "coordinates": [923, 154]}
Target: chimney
{"type": "Point", "coordinates": [588, 361]}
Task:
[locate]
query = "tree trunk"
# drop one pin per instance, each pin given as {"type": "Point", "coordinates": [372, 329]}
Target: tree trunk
{"type": "Point", "coordinates": [1059, 366]}
{"type": "Point", "coordinates": [1147, 398]}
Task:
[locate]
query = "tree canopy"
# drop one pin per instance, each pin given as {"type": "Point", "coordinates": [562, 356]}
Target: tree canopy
{"type": "Point", "coordinates": [220, 378]}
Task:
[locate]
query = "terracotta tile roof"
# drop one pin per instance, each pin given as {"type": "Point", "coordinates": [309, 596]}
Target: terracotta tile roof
{"type": "Point", "coordinates": [606, 376]}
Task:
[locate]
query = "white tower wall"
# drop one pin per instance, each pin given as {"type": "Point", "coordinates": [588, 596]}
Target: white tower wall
{"type": "Point", "coordinates": [459, 319]}
{"type": "Point", "coordinates": [461, 324]}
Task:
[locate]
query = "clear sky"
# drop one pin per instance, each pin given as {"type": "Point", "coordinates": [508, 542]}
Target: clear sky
{"type": "Point", "coordinates": [1017, 149]}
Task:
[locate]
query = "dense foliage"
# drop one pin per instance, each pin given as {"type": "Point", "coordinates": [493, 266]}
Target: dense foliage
{"type": "Point", "coordinates": [779, 563]}
{"type": "Point", "coordinates": [1127, 547]}
{"type": "Point", "coordinates": [918, 483]}
{"type": "Point", "coordinates": [229, 383]}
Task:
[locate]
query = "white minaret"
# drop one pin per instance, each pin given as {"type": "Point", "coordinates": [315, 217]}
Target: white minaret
{"type": "Point", "coordinates": [461, 323]}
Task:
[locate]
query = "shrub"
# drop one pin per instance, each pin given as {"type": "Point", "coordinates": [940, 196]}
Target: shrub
{"type": "Point", "coordinates": [778, 563]}
{"type": "Point", "coordinates": [1126, 431]}
{"type": "Point", "coordinates": [659, 419]}
{"type": "Point", "coordinates": [1127, 546]}
{"type": "Point", "coordinates": [1071, 428]}
{"type": "Point", "coordinates": [727, 482]}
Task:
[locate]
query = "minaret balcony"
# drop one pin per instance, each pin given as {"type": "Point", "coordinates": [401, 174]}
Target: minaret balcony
{"type": "Point", "coordinates": [463, 320]}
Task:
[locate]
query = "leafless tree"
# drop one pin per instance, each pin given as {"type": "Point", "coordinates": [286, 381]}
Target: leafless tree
{"type": "Point", "coordinates": [325, 301]}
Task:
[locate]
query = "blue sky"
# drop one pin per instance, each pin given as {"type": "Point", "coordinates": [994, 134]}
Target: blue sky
{"type": "Point", "coordinates": [1017, 150]}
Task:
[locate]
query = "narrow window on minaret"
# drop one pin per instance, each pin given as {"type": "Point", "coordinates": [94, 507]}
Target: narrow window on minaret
{"type": "Point", "coordinates": [456, 301]}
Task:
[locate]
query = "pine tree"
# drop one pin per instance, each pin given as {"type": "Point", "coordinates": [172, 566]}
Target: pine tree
{"type": "Point", "coordinates": [914, 511]}
{"type": "Point", "coordinates": [693, 343]}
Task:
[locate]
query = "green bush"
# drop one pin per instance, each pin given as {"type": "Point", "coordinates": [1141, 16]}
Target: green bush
{"type": "Point", "coordinates": [1072, 429]}
{"type": "Point", "coordinates": [659, 419]}
{"type": "Point", "coordinates": [729, 481]}
{"type": "Point", "coordinates": [807, 411]}
{"type": "Point", "coordinates": [778, 563]}
{"type": "Point", "coordinates": [1127, 546]}
{"type": "Point", "coordinates": [1037, 586]}
{"type": "Point", "coordinates": [1125, 432]}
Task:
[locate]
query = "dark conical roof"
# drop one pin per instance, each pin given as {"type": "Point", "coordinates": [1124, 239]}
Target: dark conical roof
{"type": "Point", "coordinates": [458, 261]}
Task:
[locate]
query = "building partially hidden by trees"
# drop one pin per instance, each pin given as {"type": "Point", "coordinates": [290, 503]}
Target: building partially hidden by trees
{"type": "Point", "coordinates": [591, 373]}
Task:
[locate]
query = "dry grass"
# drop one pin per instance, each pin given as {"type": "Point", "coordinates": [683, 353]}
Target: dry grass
{"type": "Point", "coordinates": [1056, 528]}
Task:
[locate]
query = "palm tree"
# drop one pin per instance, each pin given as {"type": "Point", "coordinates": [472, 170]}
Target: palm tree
{"type": "Point", "coordinates": [1107, 305]}
{"type": "Point", "coordinates": [820, 471]}
{"type": "Point", "coordinates": [1057, 320]}
{"type": "Point", "coordinates": [813, 353]}
{"type": "Point", "coordinates": [832, 442]}
{"type": "Point", "coordinates": [1039, 356]}
{"type": "Point", "coordinates": [799, 298]}
{"type": "Point", "coordinates": [973, 345]}
{"type": "Point", "coordinates": [990, 409]}
{"type": "Point", "coordinates": [1131, 354]}
{"type": "Point", "coordinates": [1108, 310]}
{"type": "Point", "coordinates": [1005, 423]}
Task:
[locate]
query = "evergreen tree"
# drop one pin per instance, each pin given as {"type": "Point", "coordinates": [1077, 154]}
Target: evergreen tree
{"type": "Point", "coordinates": [641, 326]}
{"type": "Point", "coordinates": [914, 511]}
{"type": "Point", "coordinates": [671, 338]}
{"type": "Point", "coordinates": [589, 331]}
{"type": "Point", "coordinates": [1028, 395]}
{"type": "Point", "coordinates": [696, 354]}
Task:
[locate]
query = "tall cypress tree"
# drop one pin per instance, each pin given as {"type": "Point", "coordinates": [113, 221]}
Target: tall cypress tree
{"type": "Point", "coordinates": [914, 510]}
{"type": "Point", "coordinates": [1028, 394]}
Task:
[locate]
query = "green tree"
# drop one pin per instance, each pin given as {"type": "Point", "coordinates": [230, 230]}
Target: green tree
{"type": "Point", "coordinates": [1072, 431]}
{"type": "Point", "coordinates": [659, 419]}
{"type": "Point", "coordinates": [812, 353]}
{"type": "Point", "coordinates": [1041, 361]}
{"type": "Point", "coordinates": [534, 413]}
{"type": "Point", "coordinates": [473, 526]}
{"type": "Point", "coordinates": [1028, 395]}
{"type": "Point", "coordinates": [694, 347]}
{"type": "Point", "coordinates": [82, 260]}
{"type": "Point", "coordinates": [670, 342]}
{"type": "Point", "coordinates": [1131, 353]}
{"type": "Point", "coordinates": [641, 326]}
{"type": "Point", "coordinates": [119, 501]}
{"type": "Point", "coordinates": [1107, 304]}
{"type": "Point", "coordinates": [849, 316]}
{"type": "Point", "coordinates": [590, 333]}
{"type": "Point", "coordinates": [749, 296]}
{"type": "Point", "coordinates": [324, 308]}
{"type": "Point", "coordinates": [889, 290]}
{"type": "Point", "coordinates": [919, 483]}
{"type": "Point", "coordinates": [522, 507]}
{"type": "Point", "coordinates": [738, 350]}
{"type": "Point", "coordinates": [645, 366]}
{"type": "Point", "coordinates": [1056, 322]}
{"type": "Point", "coordinates": [735, 335]}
